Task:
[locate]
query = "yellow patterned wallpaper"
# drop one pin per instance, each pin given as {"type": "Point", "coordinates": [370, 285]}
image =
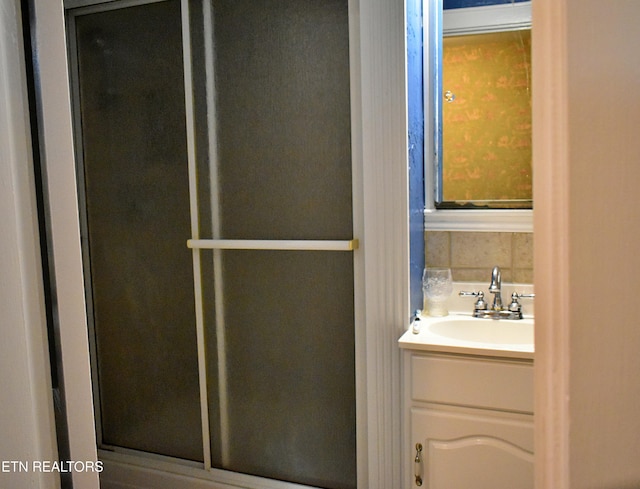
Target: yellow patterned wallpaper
{"type": "Point", "coordinates": [487, 123]}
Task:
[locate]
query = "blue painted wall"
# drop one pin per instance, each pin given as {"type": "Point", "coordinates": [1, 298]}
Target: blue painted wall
{"type": "Point", "coordinates": [416, 149]}
{"type": "Point", "coordinates": [448, 4]}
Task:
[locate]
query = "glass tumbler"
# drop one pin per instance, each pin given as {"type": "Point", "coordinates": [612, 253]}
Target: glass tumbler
{"type": "Point", "coordinates": [437, 286]}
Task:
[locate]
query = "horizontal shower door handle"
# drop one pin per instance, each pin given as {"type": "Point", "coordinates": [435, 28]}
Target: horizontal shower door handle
{"type": "Point", "coordinates": [274, 244]}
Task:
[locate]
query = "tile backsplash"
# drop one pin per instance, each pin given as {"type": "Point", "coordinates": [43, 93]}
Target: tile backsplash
{"type": "Point", "coordinates": [472, 255]}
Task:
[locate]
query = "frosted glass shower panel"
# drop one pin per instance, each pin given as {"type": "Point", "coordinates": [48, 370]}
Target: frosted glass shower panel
{"type": "Point", "coordinates": [290, 367]}
{"type": "Point", "coordinates": [272, 81]}
{"type": "Point", "coordinates": [136, 215]}
{"type": "Point", "coordinates": [283, 119]}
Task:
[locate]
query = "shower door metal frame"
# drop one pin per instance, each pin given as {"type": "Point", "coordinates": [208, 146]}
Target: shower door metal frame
{"type": "Point", "coordinates": [196, 243]}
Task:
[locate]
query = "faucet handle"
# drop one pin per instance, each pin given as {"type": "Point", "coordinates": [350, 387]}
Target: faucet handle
{"type": "Point", "coordinates": [480, 304]}
{"type": "Point", "coordinates": [515, 305]}
{"type": "Point", "coordinates": [515, 295]}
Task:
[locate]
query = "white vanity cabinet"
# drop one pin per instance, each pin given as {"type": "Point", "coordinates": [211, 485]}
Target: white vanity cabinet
{"type": "Point", "coordinates": [468, 421]}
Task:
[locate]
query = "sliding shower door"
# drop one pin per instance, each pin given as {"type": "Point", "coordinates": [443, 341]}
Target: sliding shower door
{"type": "Point", "coordinates": [133, 172]}
{"type": "Point", "coordinates": [214, 154]}
{"type": "Point", "coordinates": [278, 105]}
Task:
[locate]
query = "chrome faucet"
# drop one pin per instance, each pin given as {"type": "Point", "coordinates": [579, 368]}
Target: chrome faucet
{"type": "Point", "coordinates": [496, 288]}
{"type": "Point", "coordinates": [497, 310]}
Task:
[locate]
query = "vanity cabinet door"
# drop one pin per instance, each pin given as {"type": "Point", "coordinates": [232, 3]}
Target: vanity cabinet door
{"type": "Point", "coordinates": [459, 448]}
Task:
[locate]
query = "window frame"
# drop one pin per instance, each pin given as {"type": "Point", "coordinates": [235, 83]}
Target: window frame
{"type": "Point", "coordinates": [492, 18]}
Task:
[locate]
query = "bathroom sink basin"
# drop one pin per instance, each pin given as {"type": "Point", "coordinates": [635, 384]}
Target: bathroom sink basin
{"type": "Point", "coordinates": [462, 333]}
{"type": "Point", "coordinates": [486, 331]}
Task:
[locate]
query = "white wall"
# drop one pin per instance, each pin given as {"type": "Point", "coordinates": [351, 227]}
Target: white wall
{"type": "Point", "coordinates": [27, 429]}
{"type": "Point", "coordinates": [587, 225]}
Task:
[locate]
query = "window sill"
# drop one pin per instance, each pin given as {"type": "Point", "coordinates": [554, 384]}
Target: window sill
{"type": "Point", "coordinates": [517, 221]}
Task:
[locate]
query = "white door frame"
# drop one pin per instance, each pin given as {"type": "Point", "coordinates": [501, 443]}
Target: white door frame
{"type": "Point", "coordinates": [551, 252]}
{"type": "Point", "coordinates": [58, 159]}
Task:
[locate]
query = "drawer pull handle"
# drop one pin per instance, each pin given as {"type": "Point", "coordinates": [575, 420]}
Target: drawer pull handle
{"type": "Point", "coordinates": [418, 464]}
